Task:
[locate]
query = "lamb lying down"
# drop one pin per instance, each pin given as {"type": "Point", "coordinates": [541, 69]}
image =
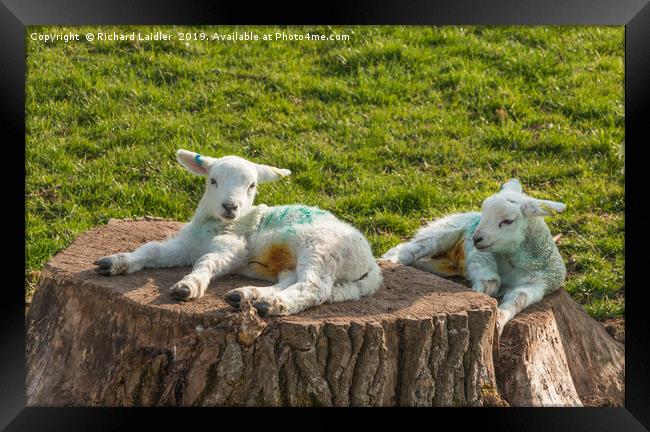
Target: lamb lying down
{"type": "Point", "coordinates": [505, 250]}
{"type": "Point", "coordinates": [310, 255]}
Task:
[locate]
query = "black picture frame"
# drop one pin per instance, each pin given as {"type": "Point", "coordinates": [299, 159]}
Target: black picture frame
{"type": "Point", "coordinates": [15, 15]}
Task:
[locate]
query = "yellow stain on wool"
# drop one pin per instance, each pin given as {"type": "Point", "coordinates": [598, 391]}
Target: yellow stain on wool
{"type": "Point", "coordinates": [452, 261]}
{"type": "Point", "coordinates": [273, 260]}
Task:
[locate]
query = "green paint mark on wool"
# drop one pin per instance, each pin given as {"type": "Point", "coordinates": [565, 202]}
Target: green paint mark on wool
{"type": "Point", "coordinates": [471, 227]}
{"type": "Point", "coordinates": [290, 215]}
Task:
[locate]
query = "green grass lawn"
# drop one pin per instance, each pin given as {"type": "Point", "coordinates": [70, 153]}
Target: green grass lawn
{"type": "Point", "coordinates": [395, 127]}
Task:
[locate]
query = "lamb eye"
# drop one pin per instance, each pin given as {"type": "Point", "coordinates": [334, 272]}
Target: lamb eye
{"type": "Point", "coordinates": [505, 222]}
{"type": "Point", "coordinates": [252, 186]}
{"type": "Point", "coordinates": [213, 181]}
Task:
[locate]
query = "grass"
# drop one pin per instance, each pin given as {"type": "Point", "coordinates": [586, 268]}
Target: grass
{"type": "Point", "coordinates": [397, 126]}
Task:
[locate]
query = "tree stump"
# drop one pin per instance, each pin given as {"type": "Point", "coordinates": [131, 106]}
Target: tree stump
{"type": "Point", "coordinates": [554, 354]}
{"type": "Point", "coordinates": [420, 340]}
{"type": "Point", "coordinates": [123, 341]}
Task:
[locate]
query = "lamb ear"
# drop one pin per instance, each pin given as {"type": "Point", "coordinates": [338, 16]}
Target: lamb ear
{"type": "Point", "coordinates": [266, 173]}
{"type": "Point", "coordinates": [537, 207]}
{"type": "Point", "coordinates": [512, 185]}
{"type": "Point", "coordinates": [194, 162]}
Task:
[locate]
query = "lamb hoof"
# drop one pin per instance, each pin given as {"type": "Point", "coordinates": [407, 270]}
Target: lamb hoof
{"type": "Point", "coordinates": [104, 266]}
{"type": "Point", "coordinates": [104, 262]}
{"type": "Point", "coordinates": [233, 298]}
{"type": "Point", "coordinates": [111, 265]}
{"type": "Point", "coordinates": [263, 308]}
{"type": "Point", "coordinates": [490, 286]}
{"type": "Point", "coordinates": [181, 292]}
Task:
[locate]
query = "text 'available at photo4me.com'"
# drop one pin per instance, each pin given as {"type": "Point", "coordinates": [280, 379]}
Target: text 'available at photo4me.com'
{"type": "Point", "coordinates": [207, 36]}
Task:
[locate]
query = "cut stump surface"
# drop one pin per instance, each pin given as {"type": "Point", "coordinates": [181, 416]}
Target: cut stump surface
{"type": "Point", "coordinates": [123, 341]}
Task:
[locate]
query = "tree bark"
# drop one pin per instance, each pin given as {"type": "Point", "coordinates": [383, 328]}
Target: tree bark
{"type": "Point", "coordinates": [554, 354]}
{"type": "Point", "coordinates": [122, 341]}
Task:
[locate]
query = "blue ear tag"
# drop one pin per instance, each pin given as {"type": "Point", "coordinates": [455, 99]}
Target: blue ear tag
{"type": "Point", "coordinates": [198, 160]}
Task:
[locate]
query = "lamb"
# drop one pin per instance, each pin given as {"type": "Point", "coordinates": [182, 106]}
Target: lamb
{"type": "Point", "coordinates": [505, 250]}
{"type": "Point", "coordinates": [310, 255]}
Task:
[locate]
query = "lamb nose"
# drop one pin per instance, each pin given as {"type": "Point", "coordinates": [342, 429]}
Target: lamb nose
{"type": "Point", "coordinates": [477, 240]}
{"type": "Point", "coordinates": [229, 206]}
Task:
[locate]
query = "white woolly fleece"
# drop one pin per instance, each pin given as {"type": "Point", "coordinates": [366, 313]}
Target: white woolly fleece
{"type": "Point", "coordinates": [311, 255]}
{"type": "Point", "coordinates": [506, 250]}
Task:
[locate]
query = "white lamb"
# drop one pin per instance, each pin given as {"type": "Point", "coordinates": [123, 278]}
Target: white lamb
{"type": "Point", "coordinates": [506, 250]}
{"type": "Point", "coordinates": [311, 255]}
